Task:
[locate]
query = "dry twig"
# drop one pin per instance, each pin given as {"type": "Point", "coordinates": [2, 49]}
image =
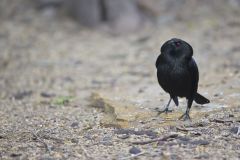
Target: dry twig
{"type": "Point", "coordinates": [222, 121]}
{"type": "Point", "coordinates": [156, 139]}
{"type": "Point", "coordinates": [48, 149]}
{"type": "Point", "coordinates": [85, 152]}
{"type": "Point", "coordinates": [185, 129]}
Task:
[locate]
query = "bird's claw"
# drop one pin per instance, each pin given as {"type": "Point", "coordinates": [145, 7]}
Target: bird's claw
{"type": "Point", "coordinates": [185, 117]}
{"type": "Point", "coordinates": [166, 110]}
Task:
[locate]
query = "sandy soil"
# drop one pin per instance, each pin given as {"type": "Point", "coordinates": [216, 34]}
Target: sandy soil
{"type": "Point", "coordinates": [49, 70]}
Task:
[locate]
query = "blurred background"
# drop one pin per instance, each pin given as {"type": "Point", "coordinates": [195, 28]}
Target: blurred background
{"type": "Point", "coordinates": [120, 16]}
{"type": "Point", "coordinates": [55, 54]}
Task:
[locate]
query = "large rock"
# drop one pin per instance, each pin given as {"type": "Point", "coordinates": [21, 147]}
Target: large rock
{"type": "Point", "coordinates": [86, 12]}
{"type": "Point", "coordinates": [122, 15]}
{"type": "Point", "coordinates": [157, 8]}
{"type": "Point", "coordinates": [151, 7]}
{"type": "Point", "coordinates": [118, 113]}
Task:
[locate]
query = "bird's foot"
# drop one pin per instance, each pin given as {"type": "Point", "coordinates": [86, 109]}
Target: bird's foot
{"type": "Point", "coordinates": [185, 117]}
{"type": "Point", "coordinates": [166, 110]}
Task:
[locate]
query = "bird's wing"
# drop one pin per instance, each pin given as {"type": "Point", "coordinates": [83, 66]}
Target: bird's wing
{"type": "Point", "coordinates": [158, 61]}
{"type": "Point", "coordinates": [193, 69]}
{"type": "Point", "coordinates": [195, 76]}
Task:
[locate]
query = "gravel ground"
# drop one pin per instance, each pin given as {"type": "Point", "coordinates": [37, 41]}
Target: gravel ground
{"type": "Point", "coordinates": [49, 70]}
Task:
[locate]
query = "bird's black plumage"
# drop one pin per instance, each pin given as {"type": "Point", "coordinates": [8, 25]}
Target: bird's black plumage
{"type": "Point", "coordinates": [177, 73]}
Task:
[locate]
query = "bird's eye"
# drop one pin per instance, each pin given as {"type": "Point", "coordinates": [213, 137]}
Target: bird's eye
{"type": "Point", "coordinates": [177, 44]}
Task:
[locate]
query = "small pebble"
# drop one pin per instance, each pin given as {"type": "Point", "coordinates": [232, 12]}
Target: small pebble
{"type": "Point", "coordinates": [74, 124]}
{"type": "Point", "coordinates": [183, 138]}
{"type": "Point", "coordinates": [107, 141]}
{"type": "Point", "coordinates": [234, 130]}
{"type": "Point", "coordinates": [23, 94]}
{"type": "Point", "coordinates": [15, 154]}
{"type": "Point", "coordinates": [134, 150]}
{"type": "Point", "coordinates": [175, 157]}
{"type": "Point", "coordinates": [200, 142]}
{"type": "Point", "coordinates": [47, 95]}
{"type": "Point", "coordinates": [124, 136]}
{"type": "Point", "coordinates": [202, 156]}
{"type": "Point", "coordinates": [74, 140]}
{"type": "Point", "coordinates": [195, 133]}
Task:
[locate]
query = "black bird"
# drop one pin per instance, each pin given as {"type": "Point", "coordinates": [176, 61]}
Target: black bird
{"type": "Point", "coordinates": [177, 74]}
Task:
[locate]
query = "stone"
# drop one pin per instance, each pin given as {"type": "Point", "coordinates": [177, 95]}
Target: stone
{"type": "Point", "coordinates": [134, 150]}
{"type": "Point", "coordinates": [124, 136]}
{"type": "Point", "coordinates": [86, 12]}
{"type": "Point", "coordinates": [74, 140]}
{"type": "Point", "coordinates": [74, 124]}
{"type": "Point", "coordinates": [149, 133]}
{"type": "Point", "coordinates": [118, 113]}
{"type": "Point", "coordinates": [22, 94]}
{"type": "Point", "coordinates": [122, 15]}
{"type": "Point", "coordinates": [200, 142]}
{"type": "Point", "coordinates": [234, 130]}
{"type": "Point", "coordinates": [47, 95]}
{"type": "Point", "coordinates": [151, 7]}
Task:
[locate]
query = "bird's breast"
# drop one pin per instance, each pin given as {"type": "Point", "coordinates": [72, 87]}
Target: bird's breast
{"type": "Point", "coordinates": [174, 79]}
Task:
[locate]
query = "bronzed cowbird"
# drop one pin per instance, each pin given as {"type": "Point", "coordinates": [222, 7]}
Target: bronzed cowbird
{"type": "Point", "coordinates": [177, 74]}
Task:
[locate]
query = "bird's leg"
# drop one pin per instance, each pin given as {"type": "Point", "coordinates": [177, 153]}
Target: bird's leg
{"type": "Point", "coordinates": [166, 110]}
{"type": "Point", "coordinates": [186, 116]}
{"type": "Point", "coordinates": [238, 132]}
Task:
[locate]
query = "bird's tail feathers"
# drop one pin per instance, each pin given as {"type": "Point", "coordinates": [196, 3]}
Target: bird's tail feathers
{"type": "Point", "coordinates": [200, 99]}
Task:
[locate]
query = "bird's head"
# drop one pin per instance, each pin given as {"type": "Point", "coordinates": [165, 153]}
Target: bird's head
{"type": "Point", "coordinates": [177, 48]}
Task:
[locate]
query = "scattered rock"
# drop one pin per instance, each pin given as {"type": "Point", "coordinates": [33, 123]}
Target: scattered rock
{"type": "Point", "coordinates": [216, 94]}
{"type": "Point", "coordinates": [225, 133]}
{"type": "Point", "coordinates": [16, 154]}
{"type": "Point", "coordinates": [149, 133]}
{"type": "Point", "coordinates": [134, 150]}
{"type": "Point", "coordinates": [184, 140]}
{"type": "Point", "coordinates": [234, 130]}
{"type": "Point", "coordinates": [86, 12]}
{"type": "Point", "coordinates": [200, 142]}
{"type": "Point", "coordinates": [74, 140]}
{"type": "Point", "coordinates": [152, 7]}
{"type": "Point", "coordinates": [47, 95]}
{"type": "Point", "coordinates": [175, 157]}
{"type": "Point", "coordinates": [123, 15]}
{"type": "Point", "coordinates": [74, 124]}
{"type": "Point", "coordinates": [22, 94]}
{"type": "Point", "coordinates": [124, 136]}
{"type": "Point", "coordinates": [118, 113]}
{"type": "Point", "coordinates": [222, 121]}
{"type": "Point", "coordinates": [195, 133]}
{"type": "Point", "coordinates": [171, 143]}
{"type": "Point", "coordinates": [202, 156]}
{"type": "Point", "coordinates": [107, 141]}
{"type": "Point", "coordinates": [52, 106]}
